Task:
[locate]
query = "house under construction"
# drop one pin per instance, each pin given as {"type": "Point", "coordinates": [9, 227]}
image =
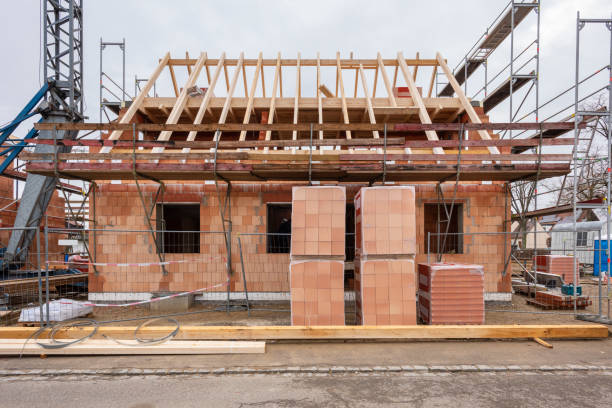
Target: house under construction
{"type": "Point", "coordinates": [193, 161]}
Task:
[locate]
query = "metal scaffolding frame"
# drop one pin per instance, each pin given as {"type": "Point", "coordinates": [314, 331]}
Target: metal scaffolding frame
{"type": "Point", "coordinates": [108, 86]}
{"type": "Point", "coordinates": [579, 115]}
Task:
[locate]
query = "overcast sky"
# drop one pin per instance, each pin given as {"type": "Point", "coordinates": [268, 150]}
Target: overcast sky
{"type": "Point", "coordinates": [153, 27]}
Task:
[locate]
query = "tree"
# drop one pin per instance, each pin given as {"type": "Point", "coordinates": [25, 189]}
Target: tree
{"type": "Point", "coordinates": [592, 165]}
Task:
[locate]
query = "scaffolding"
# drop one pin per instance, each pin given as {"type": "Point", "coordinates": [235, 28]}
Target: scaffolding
{"type": "Point", "coordinates": [578, 118]}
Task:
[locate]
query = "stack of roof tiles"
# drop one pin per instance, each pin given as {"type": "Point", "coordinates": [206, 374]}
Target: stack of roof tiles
{"type": "Point", "coordinates": [317, 255]}
{"type": "Point", "coordinates": [385, 246]}
{"type": "Point", "coordinates": [559, 265]}
{"type": "Point", "coordinates": [451, 293]}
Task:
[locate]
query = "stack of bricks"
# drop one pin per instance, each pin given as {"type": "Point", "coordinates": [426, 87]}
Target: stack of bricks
{"type": "Point", "coordinates": [552, 300]}
{"type": "Point", "coordinates": [451, 293]}
{"type": "Point", "coordinates": [316, 271]}
{"type": "Point", "coordinates": [559, 265]}
{"type": "Point", "coordinates": [385, 246]}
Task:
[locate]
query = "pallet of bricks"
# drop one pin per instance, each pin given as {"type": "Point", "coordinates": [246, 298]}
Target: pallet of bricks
{"type": "Point", "coordinates": [553, 299]}
{"type": "Point", "coordinates": [385, 246]}
{"type": "Point", "coordinates": [316, 271]}
{"type": "Point", "coordinates": [451, 293]}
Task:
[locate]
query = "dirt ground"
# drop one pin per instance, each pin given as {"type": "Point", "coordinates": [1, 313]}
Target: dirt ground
{"type": "Point", "coordinates": [278, 313]}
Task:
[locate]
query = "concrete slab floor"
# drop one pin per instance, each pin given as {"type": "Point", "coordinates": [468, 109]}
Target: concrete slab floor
{"type": "Point", "coordinates": [585, 352]}
{"type": "Point", "coordinates": [508, 389]}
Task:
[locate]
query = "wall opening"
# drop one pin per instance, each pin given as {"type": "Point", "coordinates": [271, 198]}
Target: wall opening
{"type": "Point", "coordinates": [453, 243]}
{"type": "Point", "coordinates": [178, 228]}
{"type": "Point", "coordinates": [278, 238]}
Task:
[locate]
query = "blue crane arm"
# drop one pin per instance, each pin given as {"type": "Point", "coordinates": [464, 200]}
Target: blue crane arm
{"type": "Point", "coordinates": [25, 113]}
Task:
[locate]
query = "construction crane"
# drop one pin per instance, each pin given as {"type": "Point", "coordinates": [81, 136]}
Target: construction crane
{"type": "Point", "coordinates": [63, 102]}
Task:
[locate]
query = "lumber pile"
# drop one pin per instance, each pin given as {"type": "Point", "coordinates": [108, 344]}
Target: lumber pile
{"type": "Point", "coordinates": [132, 347]}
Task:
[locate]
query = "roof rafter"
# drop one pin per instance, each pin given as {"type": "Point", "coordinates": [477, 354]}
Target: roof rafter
{"type": "Point", "coordinates": [418, 101]}
{"type": "Point", "coordinates": [469, 109]}
{"type": "Point", "coordinates": [136, 103]}
{"type": "Point", "coordinates": [249, 108]}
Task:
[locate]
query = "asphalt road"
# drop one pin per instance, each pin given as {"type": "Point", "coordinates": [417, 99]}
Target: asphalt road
{"type": "Point", "coordinates": [528, 389]}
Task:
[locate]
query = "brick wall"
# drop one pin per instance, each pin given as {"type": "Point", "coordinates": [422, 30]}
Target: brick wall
{"type": "Point", "coordinates": [118, 206]}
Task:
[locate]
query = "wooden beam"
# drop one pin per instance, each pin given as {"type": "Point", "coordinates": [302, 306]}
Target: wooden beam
{"type": "Point", "coordinates": [383, 71]}
{"type": "Point", "coordinates": [418, 101]}
{"type": "Point", "coordinates": [179, 106]}
{"type": "Point", "coordinates": [416, 68]}
{"type": "Point", "coordinates": [249, 109]}
{"type": "Point", "coordinates": [173, 77]}
{"type": "Point", "coordinates": [129, 114]}
{"type": "Point", "coordinates": [335, 127]}
{"type": "Point", "coordinates": [484, 135]}
{"type": "Point", "coordinates": [188, 66]}
{"type": "Point", "coordinates": [432, 81]}
{"type": "Point", "coordinates": [368, 100]}
{"type": "Point", "coordinates": [375, 81]}
{"type": "Point", "coordinates": [319, 102]}
{"type": "Point", "coordinates": [305, 142]}
{"type": "Point", "coordinates": [341, 86]}
{"type": "Point", "coordinates": [273, 98]}
{"type": "Point", "coordinates": [131, 347]}
{"type": "Point", "coordinates": [552, 331]}
{"type": "Point", "coordinates": [325, 90]}
{"type": "Point", "coordinates": [228, 99]}
{"type": "Point", "coordinates": [312, 62]}
{"type": "Point", "coordinates": [205, 101]}
{"type": "Point", "coordinates": [542, 342]}
{"type": "Point", "coordinates": [298, 91]}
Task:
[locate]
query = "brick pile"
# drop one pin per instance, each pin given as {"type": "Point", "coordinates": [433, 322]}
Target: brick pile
{"type": "Point", "coordinates": [559, 265]}
{"type": "Point", "coordinates": [317, 255]}
{"type": "Point", "coordinates": [385, 246]}
{"type": "Point", "coordinates": [552, 300]}
{"type": "Point", "coordinates": [451, 293]}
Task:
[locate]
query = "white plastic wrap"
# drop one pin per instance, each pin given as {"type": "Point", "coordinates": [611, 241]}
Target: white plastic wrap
{"type": "Point", "coordinates": [59, 311]}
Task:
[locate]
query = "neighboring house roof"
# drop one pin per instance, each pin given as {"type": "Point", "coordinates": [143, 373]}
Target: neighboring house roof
{"type": "Point", "coordinates": [580, 226]}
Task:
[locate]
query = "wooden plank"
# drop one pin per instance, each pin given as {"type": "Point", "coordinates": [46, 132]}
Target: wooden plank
{"type": "Point", "coordinates": [205, 101]}
{"type": "Point", "coordinates": [228, 98]}
{"type": "Point", "coordinates": [236, 127]}
{"type": "Point", "coordinates": [418, 101]}
{"type": "Point", "coordinates": [434, 72]}
{"type": "Point", "coordinates": [345, 115]}
{"type": "Point", "coordinates": [368, 100]}
{"type": "Point", "coordinates": [542, 342]}
{"type": "Point", "coordinates": [298, 93]}
{"type": "Point", "coordinates": [132, 347]}
{"type": "Point", "coordinates": [560, 331]}
{"type": "Point", "coordinates": [346, 63]}
{"type": "Point", "coordinates": [173, 77]}
{"type": "Point", "coordinates": [249, 109]}
{"type": "Point", "coordinates": [129, 114]}
{"type": "Point", "coordinates": [319, 102]}
{"type": "Point", "coordinates": [392, 141]}
{"type": "Point", "coordinates": [273, 97]}
{"type": "Point", "coordinates": [179, 106]}
{"type": "Point", "coordinates": [383, 71]}
{"type": "Point", "coordinates": [484, 135]}
{"type": "Point", "coordinates": [330, 155]}
{"type": "Point", "coordinates": [325, 90]}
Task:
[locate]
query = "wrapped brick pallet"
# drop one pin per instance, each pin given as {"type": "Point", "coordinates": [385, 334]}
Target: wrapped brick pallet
{"type": "Point", "coordinates": [385, 245]}
{"type": "Point", "coordinates": [316, 271]}
{"type": "Point", "coordinates": [451, 293]}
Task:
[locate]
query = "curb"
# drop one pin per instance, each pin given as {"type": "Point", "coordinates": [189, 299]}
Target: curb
{"type": "Point", "coordinates": [327, 370]}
